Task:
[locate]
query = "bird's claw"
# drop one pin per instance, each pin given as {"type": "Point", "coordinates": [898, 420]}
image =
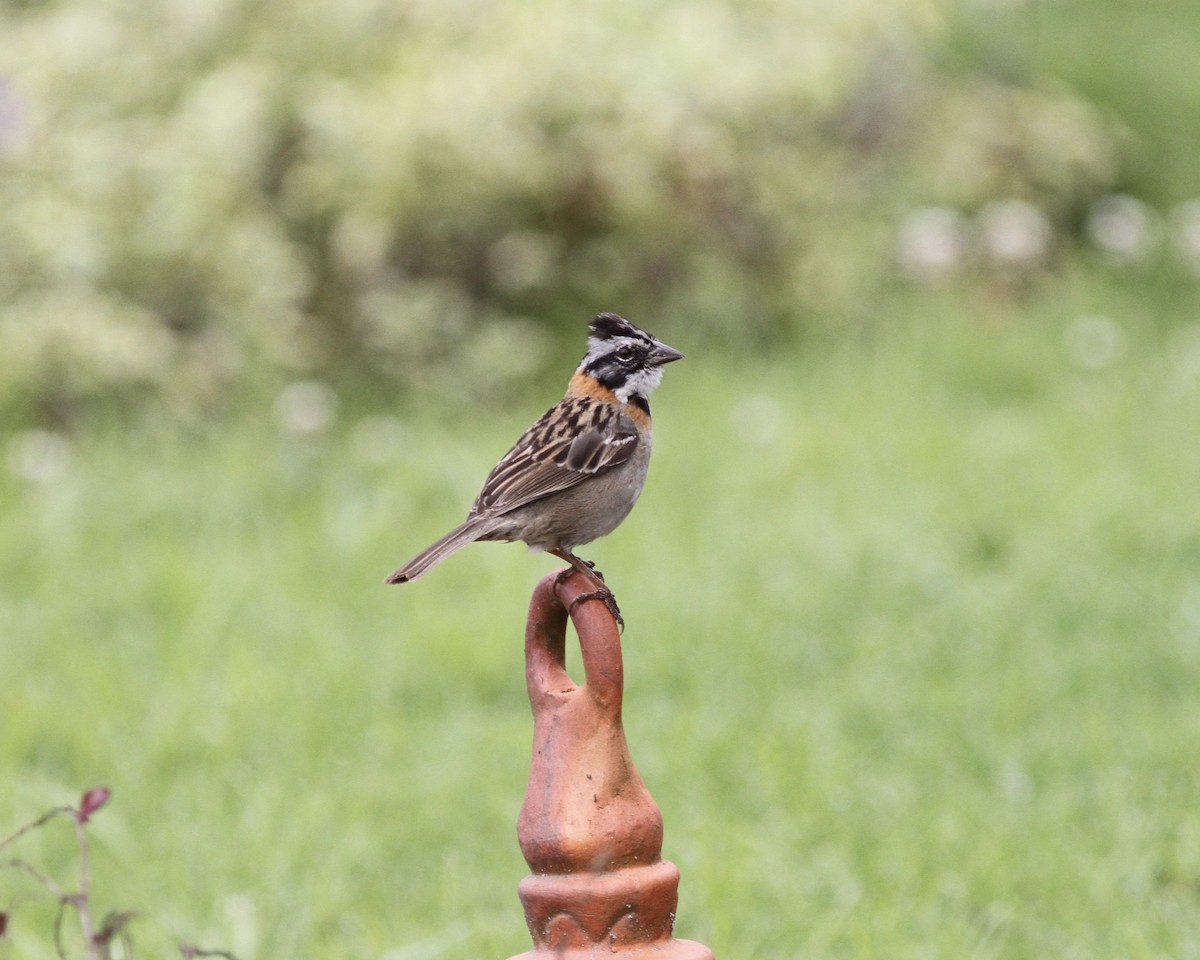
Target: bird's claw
{"type": "Point", "coordinates": [610, 601]}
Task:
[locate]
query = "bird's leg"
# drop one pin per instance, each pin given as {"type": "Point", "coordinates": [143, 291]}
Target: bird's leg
{"type": "Point", "coordinates": [586, 567]}
{"type": "Point", "coordinates": [595, 577]}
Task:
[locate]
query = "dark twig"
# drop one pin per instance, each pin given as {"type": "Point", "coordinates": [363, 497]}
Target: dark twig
{"type": "Point", "coordinates": [91, 801]}
{"type": "Point", "coordinates": [81, 898]}
{"type": "Point", "coordinates": [98, 941]}
{"type": "Point", "coordinates": [58, 925]}
{"type": "Point", "coordinates": [40, 877]}
{"type": "Point", "coordinates": [40, 821]}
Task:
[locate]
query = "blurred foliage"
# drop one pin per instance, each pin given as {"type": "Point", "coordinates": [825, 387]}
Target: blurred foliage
{"type": "Point", "coordinates": [426, 194]}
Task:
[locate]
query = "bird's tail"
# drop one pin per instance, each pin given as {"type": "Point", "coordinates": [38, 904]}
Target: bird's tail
{"type": "Point", "coordinates": [438, 551]}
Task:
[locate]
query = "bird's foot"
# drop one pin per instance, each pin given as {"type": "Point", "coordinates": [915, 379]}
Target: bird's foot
{"type": "Point", "coordinates": [588, 569]}
{"type": "Point", "coordinates": [591, 572]}
{"type": "Point", "coordinates": [610, 601]}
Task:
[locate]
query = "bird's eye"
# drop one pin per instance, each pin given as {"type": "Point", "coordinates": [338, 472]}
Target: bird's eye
{"type": "Point", "coordinates": [624, 354]}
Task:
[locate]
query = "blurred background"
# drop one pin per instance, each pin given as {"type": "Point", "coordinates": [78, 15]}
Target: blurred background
{"type": "Point", "coordinates": [914, 590]}
{"type": "Point", "coordinates": [430, 198]}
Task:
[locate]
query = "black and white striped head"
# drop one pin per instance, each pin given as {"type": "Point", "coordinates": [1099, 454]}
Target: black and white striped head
{"type": "Point", "coordinates": [625, 359]}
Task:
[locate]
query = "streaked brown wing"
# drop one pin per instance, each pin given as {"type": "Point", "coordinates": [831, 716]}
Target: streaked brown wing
{"type": "Point", "coordinates": [578, 438]}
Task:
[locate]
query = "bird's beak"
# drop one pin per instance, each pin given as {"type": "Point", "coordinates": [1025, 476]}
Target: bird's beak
{"type": "Point", "coordinates": [663, 354]}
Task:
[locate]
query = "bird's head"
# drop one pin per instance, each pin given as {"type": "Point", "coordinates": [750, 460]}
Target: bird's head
{"type": "Point", "coordinates": [624, 358]}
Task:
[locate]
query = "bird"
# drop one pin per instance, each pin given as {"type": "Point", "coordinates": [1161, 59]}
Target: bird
{"type": "Point", "coordinates": [574, 475]}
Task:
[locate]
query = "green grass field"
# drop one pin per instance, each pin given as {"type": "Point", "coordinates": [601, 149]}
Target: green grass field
{"type": "Point", "coordinates": [912, 657]}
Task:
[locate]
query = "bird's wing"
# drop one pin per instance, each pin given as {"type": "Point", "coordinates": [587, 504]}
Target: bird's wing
{"type": "Point", "coordinates": [579, 438]}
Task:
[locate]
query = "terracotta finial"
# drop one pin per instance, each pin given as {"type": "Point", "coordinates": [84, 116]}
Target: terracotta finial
{"type": "Point", "coordinates": [589, 829]}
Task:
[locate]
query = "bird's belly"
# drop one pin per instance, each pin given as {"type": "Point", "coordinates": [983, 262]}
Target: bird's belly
{"type": "Point", "coordinates": [582, 513]}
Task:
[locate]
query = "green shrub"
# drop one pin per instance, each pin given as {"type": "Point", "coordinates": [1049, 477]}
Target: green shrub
{"type": "Point", "coordinates": [204, 195]}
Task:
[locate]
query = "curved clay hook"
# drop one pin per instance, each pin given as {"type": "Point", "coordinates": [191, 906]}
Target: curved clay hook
{"type": "Point", "coordinates": [586, 807]}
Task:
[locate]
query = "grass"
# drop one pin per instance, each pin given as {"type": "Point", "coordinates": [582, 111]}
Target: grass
{"type": "Point", "coordinates": [912, 657]}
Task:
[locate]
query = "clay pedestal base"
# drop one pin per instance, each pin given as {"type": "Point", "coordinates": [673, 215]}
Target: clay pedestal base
{"type": "Point", "coordinates": [624, 913]}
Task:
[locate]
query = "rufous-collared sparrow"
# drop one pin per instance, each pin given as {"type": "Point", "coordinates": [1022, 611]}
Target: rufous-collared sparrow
{"type": "Point", "coordinates": [577, 472]}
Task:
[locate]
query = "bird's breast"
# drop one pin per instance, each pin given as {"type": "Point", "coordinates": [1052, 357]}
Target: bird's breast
{"type": "Point", "coordinates": [586, 511]}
